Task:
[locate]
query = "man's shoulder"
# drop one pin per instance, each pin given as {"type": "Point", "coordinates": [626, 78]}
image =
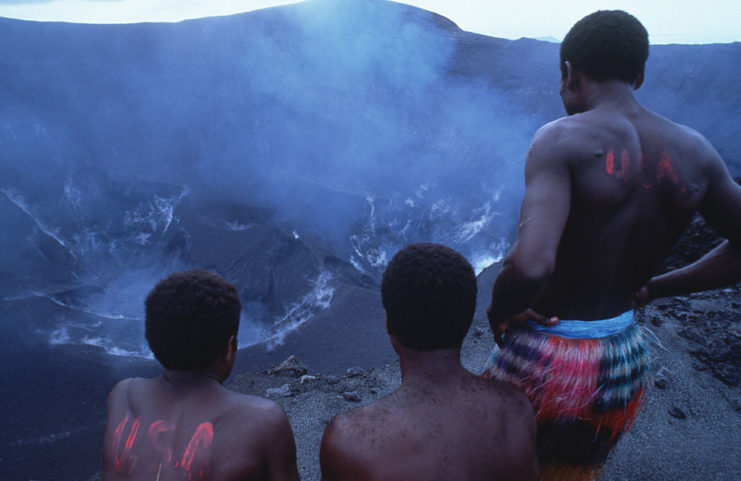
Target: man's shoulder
{"type": "Point", "coordinates": [585, 126]}
{"type": "Point", "coordinates": [346, 427]}
{"type": "Point", "coordinates": [250, 419]}
{"type": "Point", "coordinates": [126, 384]}
{"type": "Point", "coordinates": [696, 143]}
{"type": "Point", "coordinates": [567, 137]}
{"type": "Point", "coordinates": [504, 395]}
{"type": "Point", "coordinates": [240, 405]}
{"type": "Point", "coordinates": [515, 415]}
{"type": "Point", "coordinates": [124, 389]}
{"type": "Point", "coordinates": [362, 417]}
{"type": "Point", "coordinates": [675, 133]}
{"type": "Point", "coordinates": [351, 440]}
{"type": "Point", "coordinates": [341, 425]}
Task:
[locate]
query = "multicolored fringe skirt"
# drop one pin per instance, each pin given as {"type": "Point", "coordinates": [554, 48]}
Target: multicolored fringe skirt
{"type": "Point", "coordinates": [586, 380]}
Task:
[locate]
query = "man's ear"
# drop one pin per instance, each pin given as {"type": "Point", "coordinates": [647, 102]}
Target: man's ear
{"type": "Point", "coordinates": [230, 350]}
{"type": "Point", "coordinates": [573, 77]}
{"type": "Point", "coordinates": [641, 78]}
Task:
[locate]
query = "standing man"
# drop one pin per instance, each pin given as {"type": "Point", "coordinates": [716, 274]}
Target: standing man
{"type": "Point", "coordinates": [609, 190]}
{"type": "Point", "coordinates": [184, 425]}
{"type": "Point", "coordinates": [443, 422]}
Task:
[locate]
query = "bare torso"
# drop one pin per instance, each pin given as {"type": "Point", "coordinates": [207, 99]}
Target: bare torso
{"type": "Point", "coordinates": [609, 189]}
{"type": "Point", "coordinates": [636, 181]}
{"type": "Point", "coordinates": [465, 429]}
{"type": "Point", "coordinates": [193, 430]}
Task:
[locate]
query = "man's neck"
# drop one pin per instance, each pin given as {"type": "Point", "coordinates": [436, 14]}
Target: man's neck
{"type": "Point", "coordinates": [185, 378]}
{"type": "Point", "coordinates": [615, 94]}
{"type": "Point", "coordinates": [429, 367]}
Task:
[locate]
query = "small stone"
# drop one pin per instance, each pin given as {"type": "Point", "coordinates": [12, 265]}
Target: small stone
{"type": "Point", "coordinates": [656, 321]}
{"type": "Point", "coordinates": [306, 378]}
{"type": "Point", "coordinates": [478, 332]}
{"type": "Point", "coordinates": [290, 367]}
{"type": "Point", "coordinates": [332, 379]}
{"type": "Point", "coordinates": [354, 372]}
{"type": "Point", "coordinates": [352, 396]}
{"type": "Point", "coordinates": [677, 413]}
{"type": "Point", "coordinates": [283, 391]}
{"type": "Point", "coordinates": [660, 383]}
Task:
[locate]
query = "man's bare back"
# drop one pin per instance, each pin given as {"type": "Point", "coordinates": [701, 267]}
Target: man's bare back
{"type": "Point", "coordinates": [609, 191]}
{"type": "Point", "coordinates": [177, 427]}
{"type": "Point", "coordinates": [184, 425]}
{"type": "Point", "coordinates": [463, 428]}
{"type": "Point", "coordinates": [636, 180]}
{"type": "Point", "coordinates": [443, 423]}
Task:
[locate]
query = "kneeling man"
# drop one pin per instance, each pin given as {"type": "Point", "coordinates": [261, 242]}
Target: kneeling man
{"type": "Point", "coordinates": [443, 422]}
{"type": "Point", "coordinates": [184, 425]}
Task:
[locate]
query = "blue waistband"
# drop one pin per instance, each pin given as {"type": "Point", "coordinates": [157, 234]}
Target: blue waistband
{"type": "Point", "coordinates": [587, 329]}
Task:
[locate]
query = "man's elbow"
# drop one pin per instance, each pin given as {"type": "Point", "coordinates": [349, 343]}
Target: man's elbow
{"type": "Point", "coordinates": [530, 272]}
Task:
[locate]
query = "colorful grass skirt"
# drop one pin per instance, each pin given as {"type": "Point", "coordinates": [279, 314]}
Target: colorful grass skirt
{"type": "Point", "coordinates": [586, 390]}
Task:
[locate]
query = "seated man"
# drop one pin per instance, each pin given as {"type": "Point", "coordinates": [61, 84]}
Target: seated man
{"type": "Point", "coordinates": [184, 425]}
{"type": "Point", "coordinates": [443, 422]}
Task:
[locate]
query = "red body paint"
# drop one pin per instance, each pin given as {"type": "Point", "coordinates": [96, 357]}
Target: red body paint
{"type": "Point", "coordinates": [156, 429]}
{"type": "Point", "coordinates": [610, 162]}
{"type": "Point", "coordinates": [200, 444]}
{"type": "Point", "coordinates": [198, 448]}
{"type": "Point", "coordinates": [123, 457]}
{"type": "Point", "coordinates": [665, 169]}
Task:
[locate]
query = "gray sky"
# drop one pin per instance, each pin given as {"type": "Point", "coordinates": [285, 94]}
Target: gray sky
{"type": "Point", "coordinates": [667, 21]}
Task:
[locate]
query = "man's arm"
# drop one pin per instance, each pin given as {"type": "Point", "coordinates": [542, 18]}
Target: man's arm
{"type": "Point", "coordinates": [545, 209]}
{"type": "Point", "coordinates": [721, 267]}
{"type": "Point", "coordinates": [281, 447]}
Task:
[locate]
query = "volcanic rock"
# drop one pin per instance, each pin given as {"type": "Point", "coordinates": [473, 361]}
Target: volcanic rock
{"type": "Point", "coordinates": [291, 367]}
{"type": "Point", "coordinates": [279, 392]}
{"type": "Point", "coordinates": [352, 396]}
{"type": "Point", "coordinates": [677, 413]}
{"type": "Point", "coordinates": [354, 372]}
